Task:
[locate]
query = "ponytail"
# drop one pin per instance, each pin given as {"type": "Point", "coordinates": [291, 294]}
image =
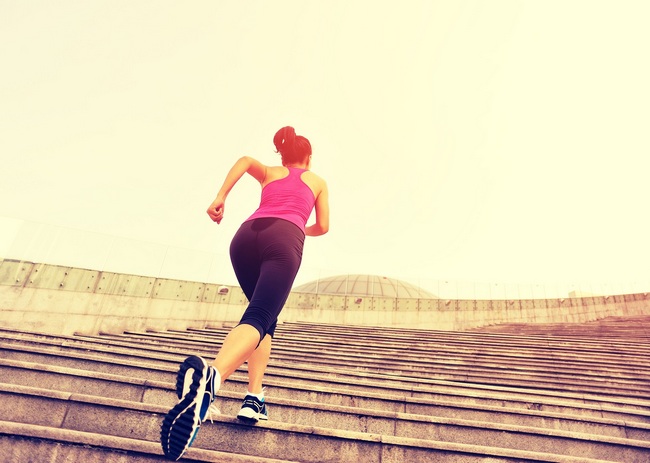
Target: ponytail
{"type": "Point", "coordinates": [292, 147]}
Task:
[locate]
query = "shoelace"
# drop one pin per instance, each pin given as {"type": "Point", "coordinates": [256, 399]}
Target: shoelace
{"type": "Point", "coordinates": [212, 409]}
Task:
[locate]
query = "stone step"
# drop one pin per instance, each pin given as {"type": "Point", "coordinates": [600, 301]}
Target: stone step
{"type": "Point", "coordinates": [610, 327]}
{"type": "Point", "coordinates": [618, 386]}
{"type": "Point", "coordinates": [301, 385]}
{"type": "Point", "coordinates": [327, 390]}
{"type": "Point", "coordinates": [302, 412]}
{"type": "Point", "coordinates": [525, 334]}
{"type": "Point", "coordinates": [593, 385]}
{"type": "Point", "coordinates": [435, 364]}
{"type": "Point", "coordinates": [20, 443]}
{"type": "Point", "coordinates": [481, 345]}
{"type": "Point", "coordinates": [426, 360]}
{"type": "Point", "coordinates": [573, 417]}
{"type": "Point", "coordinates": [416, 337]}
{"type": "Point", "coordinates": [315, 444]}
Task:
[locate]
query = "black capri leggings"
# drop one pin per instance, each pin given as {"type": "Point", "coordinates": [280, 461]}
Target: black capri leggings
{"type": "Point", "coordinates": [266, 254]}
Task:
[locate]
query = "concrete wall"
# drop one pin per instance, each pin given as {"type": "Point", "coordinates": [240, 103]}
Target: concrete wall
{"type": "Point", "coordinates": [54, 299]}
{"type": "Point", "coordinates": [458, 315]}
{"type": "Point", "coordinates": [65, 300]}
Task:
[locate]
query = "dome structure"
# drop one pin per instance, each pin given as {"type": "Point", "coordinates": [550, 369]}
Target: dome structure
{"type": "Point", "coordinates": [364, 285]}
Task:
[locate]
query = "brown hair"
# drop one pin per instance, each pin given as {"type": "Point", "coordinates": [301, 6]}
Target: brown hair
{"type": "Point", "coordinates": [292, 147]}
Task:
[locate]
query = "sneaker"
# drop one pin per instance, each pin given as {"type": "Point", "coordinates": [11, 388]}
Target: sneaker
{"type": "Point", "coordinates": [196, 385]}
{"type": "Point", "coordinates": [263, 415]}
{"type": "Point", "coordinates": [184, 382]}
{"type": "Point", "coordinates": [253, 409]}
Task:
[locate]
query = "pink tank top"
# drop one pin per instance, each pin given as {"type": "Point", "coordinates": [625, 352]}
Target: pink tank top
{"type": "Point", "coordinates": [288, 198]}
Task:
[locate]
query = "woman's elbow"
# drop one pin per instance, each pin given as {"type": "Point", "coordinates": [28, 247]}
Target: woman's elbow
{"type": "Point", "coordinates": [316, 230]}
{"type": "Point", "coordinates": [323, 225]}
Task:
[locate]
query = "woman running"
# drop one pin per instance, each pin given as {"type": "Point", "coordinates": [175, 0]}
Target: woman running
{"type": "Point", "coordinates": [266, 253]}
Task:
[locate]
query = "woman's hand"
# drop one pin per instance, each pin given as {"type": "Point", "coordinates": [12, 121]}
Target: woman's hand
{"type": "Point", "coordinates": [215, 211]}
{"type": "Point", "coordinates": [245, 164]}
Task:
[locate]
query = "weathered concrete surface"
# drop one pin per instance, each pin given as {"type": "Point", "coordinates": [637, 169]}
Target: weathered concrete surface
{"type": "Point", "coordinates": [57, 299]}
{"type": "Point", "coordinates": [25, 443]}
{"type": "Point", "coordinates": [337, 392]}
{"type": "Point", "coordinates": [315, 444]}
{"type": "Point", "coordinates": [577, 418]}
{"type": "Point", "coordinates": [325, 409]}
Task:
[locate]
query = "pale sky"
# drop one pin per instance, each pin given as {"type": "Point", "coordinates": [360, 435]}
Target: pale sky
{"type": "Point", "coordinates": [496, 140]}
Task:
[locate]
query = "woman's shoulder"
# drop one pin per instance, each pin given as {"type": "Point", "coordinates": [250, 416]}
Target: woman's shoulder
{"type": "Point", "coordinates": [315, 182]}
{"type": "Point", "coordinates": [277, 170]}
{"type": "Point", "coordinates": [311, 175]}
{"type": "Point", "coordinates": [274, 173]}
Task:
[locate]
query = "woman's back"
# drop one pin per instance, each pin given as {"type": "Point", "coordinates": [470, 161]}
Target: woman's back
{"type": "Point", "coordinates": [296, 156]}
{"type": "Point", "coordinates": [288, 198]}
{"type": "Point", "coordinates": [313, 181]}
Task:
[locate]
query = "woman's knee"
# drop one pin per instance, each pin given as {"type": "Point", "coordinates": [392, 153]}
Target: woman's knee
{"type": "Point", "coordinates": [255, 324]}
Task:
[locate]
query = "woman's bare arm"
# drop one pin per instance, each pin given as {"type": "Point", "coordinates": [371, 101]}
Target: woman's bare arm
{"type": "Point", "coordinates": [322, 207]}
{"type": "Point", "coordinates": [243, 165]}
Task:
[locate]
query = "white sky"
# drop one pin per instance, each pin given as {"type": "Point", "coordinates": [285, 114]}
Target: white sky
{"type": "Point", "coordinates": [474, 140]}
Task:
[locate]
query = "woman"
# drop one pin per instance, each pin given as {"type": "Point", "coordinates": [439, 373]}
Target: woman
{"type": "Point", "coordinates": [266, 253]}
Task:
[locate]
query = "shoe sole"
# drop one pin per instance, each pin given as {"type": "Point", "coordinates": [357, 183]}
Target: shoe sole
{"type": "Point", "coordinates": [248, 415]}
{"type": "Point", "coordinates": [182, 423]}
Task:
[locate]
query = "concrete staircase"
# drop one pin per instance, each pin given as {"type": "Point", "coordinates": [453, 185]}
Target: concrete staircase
{"type": "Point", "coordinates": [509, 393]}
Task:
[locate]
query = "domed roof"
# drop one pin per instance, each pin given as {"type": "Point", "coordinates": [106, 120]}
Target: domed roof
{"type": "Point", "coordinates": [364, 285]}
